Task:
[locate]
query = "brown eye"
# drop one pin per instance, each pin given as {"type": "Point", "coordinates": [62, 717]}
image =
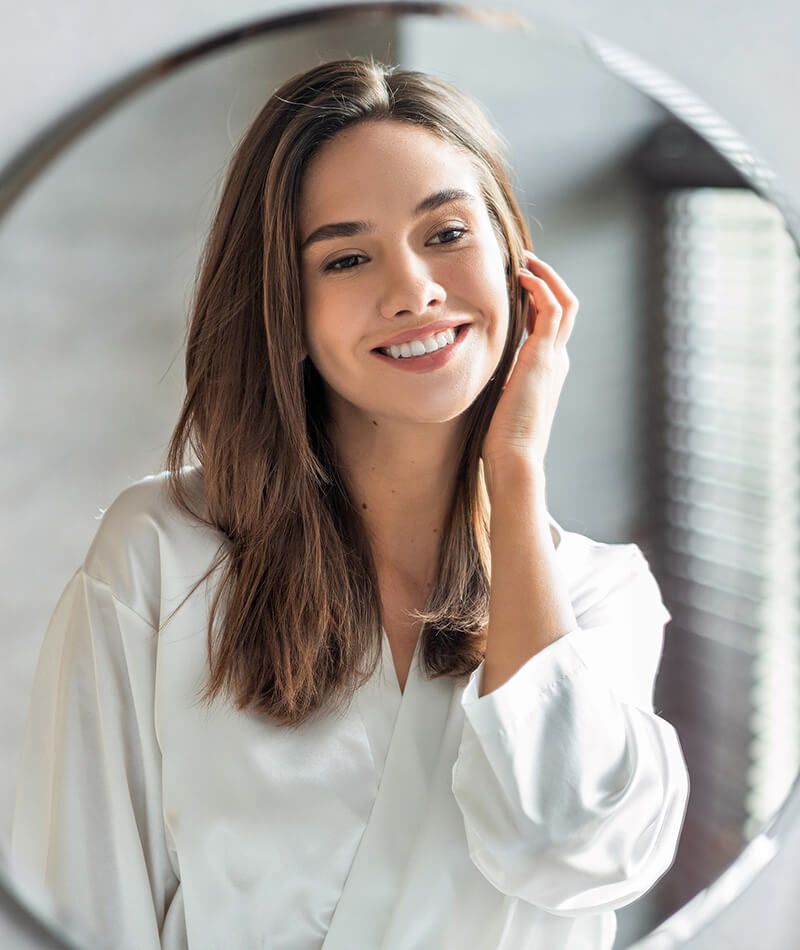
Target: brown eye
{"type": "Point", "coordinates": [345, 263]}
{"type": "Point", "coordinates": [448, 236]}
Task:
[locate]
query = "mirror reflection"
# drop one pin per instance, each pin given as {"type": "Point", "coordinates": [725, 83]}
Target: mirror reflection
{"type": "Point", "coordinates": [666, 434]}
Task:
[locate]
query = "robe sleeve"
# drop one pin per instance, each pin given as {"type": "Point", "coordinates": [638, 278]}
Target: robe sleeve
{"type": "Point", "coordinates": [573, 792]}
{"type": "Point", "coordinates": [88, 822]}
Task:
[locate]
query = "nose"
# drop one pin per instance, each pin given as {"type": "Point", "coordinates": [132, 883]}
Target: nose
{"type": "Point", "coordinates": [408, 287]}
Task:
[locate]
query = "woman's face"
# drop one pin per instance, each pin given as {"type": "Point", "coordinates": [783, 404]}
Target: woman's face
{"type": "Point", "coordinates": [398, 247]}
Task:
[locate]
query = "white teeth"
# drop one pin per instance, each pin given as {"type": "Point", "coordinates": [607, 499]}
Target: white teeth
{"type": "Point", "coordinates": [421, 347]}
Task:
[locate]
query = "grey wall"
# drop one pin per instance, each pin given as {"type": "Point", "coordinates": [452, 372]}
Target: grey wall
{"type": "Point", "coordinates": [83, 282]}
{"type": "Point", "coordinates": [569, 128]}
{"type": "Point", "coordinates": [740, 57]}
{"type": "Point", "coordinates": [97, 263]}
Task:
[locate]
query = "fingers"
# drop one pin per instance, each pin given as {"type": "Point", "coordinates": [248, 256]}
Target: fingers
{"type": "Point", "coordinates": [547, 311]}
{"type": "Point", "coordinates": [555, 305]}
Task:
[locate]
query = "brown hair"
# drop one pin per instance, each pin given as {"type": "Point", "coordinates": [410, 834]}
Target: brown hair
{"type": "Point", "coordinates": [301, 624]}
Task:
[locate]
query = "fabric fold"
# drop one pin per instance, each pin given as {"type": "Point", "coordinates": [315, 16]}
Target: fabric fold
{"type": "Point", "coordinates": [436, 818]}
{"type": "Point", "coordinates": [88, 817]}
{"type": "Point", "coordinates": [572, 795]}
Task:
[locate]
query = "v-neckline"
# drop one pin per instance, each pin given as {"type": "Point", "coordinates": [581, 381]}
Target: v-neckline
{"type": "Point", "coordinates": [388, 660]}
{"type": "Point", "coordinates": [556, 532]}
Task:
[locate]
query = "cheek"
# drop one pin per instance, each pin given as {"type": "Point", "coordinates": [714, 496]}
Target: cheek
{"type": "Point", "coordinates": [318, 341]}
{"type": "Point", "coordinates": [332, 331]}
{"type": "Point", "coordinates": [319, 316]}
{"type": "Point", "coordinates": [484, 280]}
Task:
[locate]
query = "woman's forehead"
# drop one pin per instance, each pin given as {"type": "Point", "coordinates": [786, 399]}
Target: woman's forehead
{"type": "Point", "coordinates": [394, 164]}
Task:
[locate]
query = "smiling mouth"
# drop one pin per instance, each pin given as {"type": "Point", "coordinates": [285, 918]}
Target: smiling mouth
{"type": "Point", "coordinates": [423, 346]}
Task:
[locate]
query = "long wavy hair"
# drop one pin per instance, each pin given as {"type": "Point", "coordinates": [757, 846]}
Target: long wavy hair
{"type": "Point", "coordinates": [295, 620]}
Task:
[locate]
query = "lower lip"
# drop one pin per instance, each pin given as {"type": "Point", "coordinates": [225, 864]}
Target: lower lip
{"type": "Point", "coordinates": [423, 364]}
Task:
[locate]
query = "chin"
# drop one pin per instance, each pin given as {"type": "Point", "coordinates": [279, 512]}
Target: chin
{"type": "Point", "coordinates": [433, 415]}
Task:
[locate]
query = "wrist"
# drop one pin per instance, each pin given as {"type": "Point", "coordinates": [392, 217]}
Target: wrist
{"type": "Point", "coordinates": [512, 474]}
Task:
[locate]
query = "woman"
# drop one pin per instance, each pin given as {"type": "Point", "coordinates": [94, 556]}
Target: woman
{"type": "Point", "coordinates": [343, 682]}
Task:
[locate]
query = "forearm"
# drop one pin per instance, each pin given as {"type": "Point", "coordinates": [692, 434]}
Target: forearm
{"type": "Point", "coordinates": [573, 791]}
{"type": "Point", "coordinates": [529, 604]}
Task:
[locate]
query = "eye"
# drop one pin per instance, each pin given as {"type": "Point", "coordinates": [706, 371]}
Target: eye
{"type": "Point", "coordinates": [448, 235]}
{"type": "Point", "coordinates": [347, 262]}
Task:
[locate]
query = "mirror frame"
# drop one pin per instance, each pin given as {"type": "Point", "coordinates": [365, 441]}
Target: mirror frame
{"type": "Point", "coordinates": [694, 920]}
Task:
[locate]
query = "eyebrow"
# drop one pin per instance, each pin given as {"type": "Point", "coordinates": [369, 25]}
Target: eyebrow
{"type": "Point", "coordinates": [351, 228]}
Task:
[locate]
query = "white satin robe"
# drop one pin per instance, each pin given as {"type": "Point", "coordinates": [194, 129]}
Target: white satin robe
{"type": "Point", "coordinates": [434, 819]}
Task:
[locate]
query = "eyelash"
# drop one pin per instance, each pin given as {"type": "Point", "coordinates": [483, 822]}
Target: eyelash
{"type": "Point", "coordinates": [458, 228]}
{"type": "Point", "coordinates": [336, 265]}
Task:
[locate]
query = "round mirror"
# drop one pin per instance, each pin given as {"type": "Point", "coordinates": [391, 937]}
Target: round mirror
{"type": "Point", "coordinates": [676, 429]}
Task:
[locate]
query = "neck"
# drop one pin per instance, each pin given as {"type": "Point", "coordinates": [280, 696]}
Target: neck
{"type": "Point", "coordinates": [402, 477]}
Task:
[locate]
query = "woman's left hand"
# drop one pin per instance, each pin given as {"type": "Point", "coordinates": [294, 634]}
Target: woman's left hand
{"type": "Point", "coordinates": [523, 418]}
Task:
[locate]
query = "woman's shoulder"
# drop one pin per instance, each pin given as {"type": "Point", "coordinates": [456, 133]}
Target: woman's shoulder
{"type": "Point", "coordinates": [145, 538]}
{"type": "Point", "coordinates": [146, 510]}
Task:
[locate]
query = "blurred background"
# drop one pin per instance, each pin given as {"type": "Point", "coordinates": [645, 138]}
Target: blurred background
{"type": "Point", "coordinates": [677, 429]}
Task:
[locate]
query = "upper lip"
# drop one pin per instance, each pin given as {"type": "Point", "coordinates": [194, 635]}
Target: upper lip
{"type": "Point", "coordinates": [419, 333]}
